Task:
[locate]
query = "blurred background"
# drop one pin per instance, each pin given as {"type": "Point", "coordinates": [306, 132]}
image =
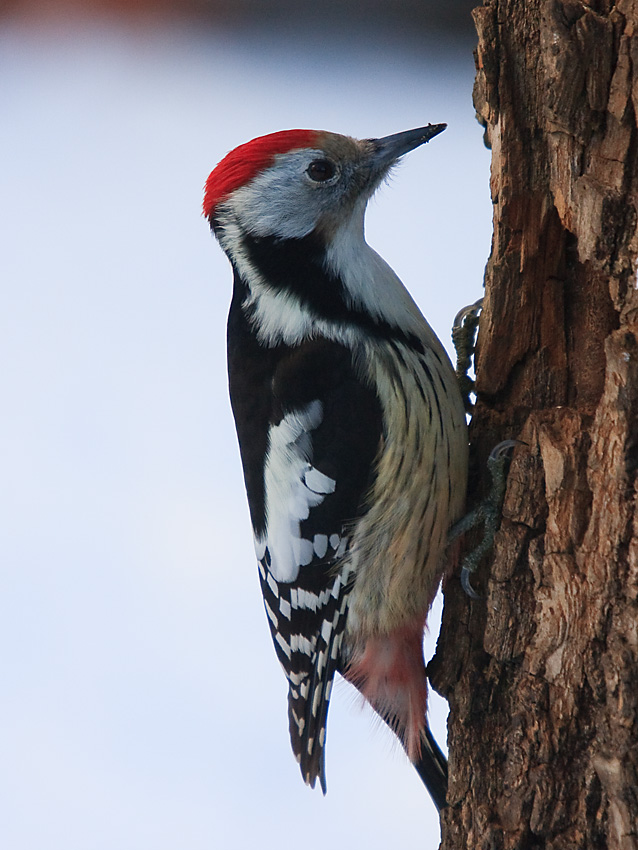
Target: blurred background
{"type": "Point", "coordinates": [142, 705]}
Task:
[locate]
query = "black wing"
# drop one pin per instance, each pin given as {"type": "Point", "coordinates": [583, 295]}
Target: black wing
{"type": "Point", "coordinates": [307, 481]}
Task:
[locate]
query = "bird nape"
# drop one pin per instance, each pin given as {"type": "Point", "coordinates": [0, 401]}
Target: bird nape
{"type": "Point", "coordinates": [351, 428]}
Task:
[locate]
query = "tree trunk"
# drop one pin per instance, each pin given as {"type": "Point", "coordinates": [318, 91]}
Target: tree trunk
{"type": "Point", "coordinates": [542, 672]}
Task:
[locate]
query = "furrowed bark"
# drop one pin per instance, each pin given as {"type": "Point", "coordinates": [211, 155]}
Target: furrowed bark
{"type": "Point", "coordinates": [542, 672]}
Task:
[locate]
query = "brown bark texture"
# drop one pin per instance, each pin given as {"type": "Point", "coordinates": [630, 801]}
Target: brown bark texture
{"type": "Point", "coordinates": [542, 672]}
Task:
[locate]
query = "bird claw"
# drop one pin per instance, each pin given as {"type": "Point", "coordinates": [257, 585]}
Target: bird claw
{"type": "Point", "coordinates": [466, 583]}
{"type": "Point", "coordinates": [502, 449]}
{"type": "Point", "coordinates": [471, 311]}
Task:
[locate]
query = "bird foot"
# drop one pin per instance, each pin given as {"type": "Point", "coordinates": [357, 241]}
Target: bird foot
{"type": "Point", "coordinates": [487, 513]}
{"type": "Point", "coordinates": [464, 331]}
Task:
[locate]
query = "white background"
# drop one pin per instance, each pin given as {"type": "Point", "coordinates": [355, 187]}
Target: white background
{"type": "Point", "coordinates": [141, 703]}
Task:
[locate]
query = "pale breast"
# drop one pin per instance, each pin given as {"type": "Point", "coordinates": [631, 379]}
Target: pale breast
{"type": "Point", "coordinates": [419, 491]}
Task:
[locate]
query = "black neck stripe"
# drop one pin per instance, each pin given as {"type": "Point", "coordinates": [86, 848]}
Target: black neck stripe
{"type": "Point", "coordinates": [297, 266]}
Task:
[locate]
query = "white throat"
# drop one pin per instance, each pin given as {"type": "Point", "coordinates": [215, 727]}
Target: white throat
{"type": "Point", "coordinates": [369, 281]}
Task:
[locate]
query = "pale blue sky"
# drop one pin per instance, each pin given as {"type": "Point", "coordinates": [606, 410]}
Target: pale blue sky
{"type": "Point", "coordinates": [142, 704]}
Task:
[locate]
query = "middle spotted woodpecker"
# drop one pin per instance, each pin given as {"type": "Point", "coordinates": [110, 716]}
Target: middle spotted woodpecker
{"type": "Point", "coordinates": [351, 428]}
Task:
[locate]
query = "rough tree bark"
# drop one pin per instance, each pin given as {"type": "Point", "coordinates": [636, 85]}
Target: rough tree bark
{"type": "Point", "coordinates": [542, 672]}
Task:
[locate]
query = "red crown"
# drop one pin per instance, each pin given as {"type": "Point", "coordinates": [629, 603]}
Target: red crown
{"type": "Point", "coordinates": [240, 165]}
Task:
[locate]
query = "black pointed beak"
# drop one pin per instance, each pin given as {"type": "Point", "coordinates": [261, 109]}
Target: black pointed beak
{"type": "Point", "coordinates": [389, 149]}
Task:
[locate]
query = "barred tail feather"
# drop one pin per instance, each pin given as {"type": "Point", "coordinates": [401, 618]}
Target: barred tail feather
{"type": "Point", "coordinates": [308, 709]}
{"type": "Point", "coordinates": [308, 734]}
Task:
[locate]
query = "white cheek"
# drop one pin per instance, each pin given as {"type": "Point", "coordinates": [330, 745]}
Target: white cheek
{"type": "Point", "coordinates": [262, 210]}
{"type": "Point", "coordinates": [282, 201]}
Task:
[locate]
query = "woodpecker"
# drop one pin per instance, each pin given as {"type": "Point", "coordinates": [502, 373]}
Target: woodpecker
{"type": "Point", "coordinates": [351, 428]}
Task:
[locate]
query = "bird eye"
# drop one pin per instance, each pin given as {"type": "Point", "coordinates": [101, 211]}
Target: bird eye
{"type": "Point", "coordinates": [320, 170]}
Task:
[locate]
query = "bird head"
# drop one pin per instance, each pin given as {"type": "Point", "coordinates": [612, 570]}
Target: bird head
{"type": "Point", "coordinates": [288, 210]}
{"type": "Point", "coordinates": [291, 183]}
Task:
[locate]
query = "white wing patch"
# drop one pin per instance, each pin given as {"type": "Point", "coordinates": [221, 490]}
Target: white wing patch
{"type": "Point", "coordinates": [320, 544]}
{"type": "Point", "coordinates": [292, 486]}
{"type": "Point", "coordinates": [317, 482]}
